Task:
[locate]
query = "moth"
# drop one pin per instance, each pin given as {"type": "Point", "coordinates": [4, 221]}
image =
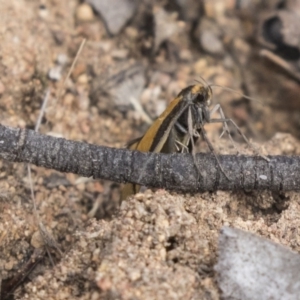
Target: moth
{"type": "Point", "coordinates": [178, 128]}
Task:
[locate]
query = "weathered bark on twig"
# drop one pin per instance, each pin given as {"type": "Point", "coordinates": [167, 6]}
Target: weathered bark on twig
{"type": "Point", "coordinates": [170, 171]}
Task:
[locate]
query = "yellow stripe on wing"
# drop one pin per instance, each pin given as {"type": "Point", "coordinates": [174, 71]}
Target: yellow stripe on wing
{"type": "Point", "coordinates": [146, 142]}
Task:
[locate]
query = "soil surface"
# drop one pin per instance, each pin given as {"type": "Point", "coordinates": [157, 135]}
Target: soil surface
{"type": "Point", "coordinates": [82, 243]}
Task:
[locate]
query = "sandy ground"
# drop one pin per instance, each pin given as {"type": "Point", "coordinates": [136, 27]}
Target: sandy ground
{"type": "Point", "coordinates": [156, 245]}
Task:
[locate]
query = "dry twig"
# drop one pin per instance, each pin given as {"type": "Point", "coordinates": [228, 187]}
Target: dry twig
{"type": "Point", "coordinates": [170, 171]}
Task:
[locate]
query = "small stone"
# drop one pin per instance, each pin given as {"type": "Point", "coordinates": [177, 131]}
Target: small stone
{"type": "Point", "coordinates": [83, 79]}
{"type": "Point", "coordinates": [43, 12]}
{"type": "Point", "coordinates": [134, 275]}
{"type": "Point", "coordinates": [68, 99]}
{"type": "Point", "coordinates": [120, 53]}
{"type": "Point", "coordinates": [55, 73]}
{"type": "Point", "coordinates": [84, 13]}
{"type": "Point", "coordinates": [115, 13]}
{"type": "Point", "coordinates": [139, 196]}
{"type": "Point", "coordinates": [80, 187]}
{"type": "Point", "coordinates": [62, 59]}
{"type": "Point", "coordinates": [37, 240]}
{"type": "Point", "coordinates": [163, 254]}
{"type": "Point", "coordinates": [211, 43]}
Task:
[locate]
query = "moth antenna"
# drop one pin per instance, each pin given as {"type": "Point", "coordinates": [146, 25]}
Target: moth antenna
{"type": "Point", "coordinates": [236, 92]}
{"type": "Point", "coordinates": [203, 81]}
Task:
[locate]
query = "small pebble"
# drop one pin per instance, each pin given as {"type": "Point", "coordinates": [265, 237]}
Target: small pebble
{"type": "Point", "coordinates": [211, 43]}
{"type": "Point", "coordinates": [120, 53]}
{"type": "Point", "coordinates": [115, 13]}
{"type": "Point", "coordinates": [84, 13]}
{"type": "Point", "coordinates": [83, 79]}
{"type": "Point", "coordinates": [43, 12]}
{"type": "Point", "coordinates": [55, 73]}
{"type": "Point", "coordinates": [37, 240]}
{"type": "Point", "coordinates": [62, 59]}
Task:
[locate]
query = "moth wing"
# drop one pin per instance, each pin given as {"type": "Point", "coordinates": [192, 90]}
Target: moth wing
{"type": "Point", "coordinates": [133, 144]}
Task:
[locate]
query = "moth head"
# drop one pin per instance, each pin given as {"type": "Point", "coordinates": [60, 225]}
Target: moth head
{"type": "Point", "coordinates": [198, 94]}
{"type": "Point", "coordinates": [201, 94]}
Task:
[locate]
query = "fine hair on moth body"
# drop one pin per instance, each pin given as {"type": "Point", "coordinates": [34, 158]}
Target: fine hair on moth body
{"type": "Point", "coordinates": [181, 124]}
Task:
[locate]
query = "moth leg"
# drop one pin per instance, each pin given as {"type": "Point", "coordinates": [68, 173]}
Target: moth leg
{"type": "Point", "coordinates": [226, 129]}
{"type": "Point", "coordinates": [212, 150]}
{"type": "Point", "coordinates": [191, 131]}
{"type": "Point", "coordinates": [182, 147]}
{"type": "Point", "coordinates": [223, 120]}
